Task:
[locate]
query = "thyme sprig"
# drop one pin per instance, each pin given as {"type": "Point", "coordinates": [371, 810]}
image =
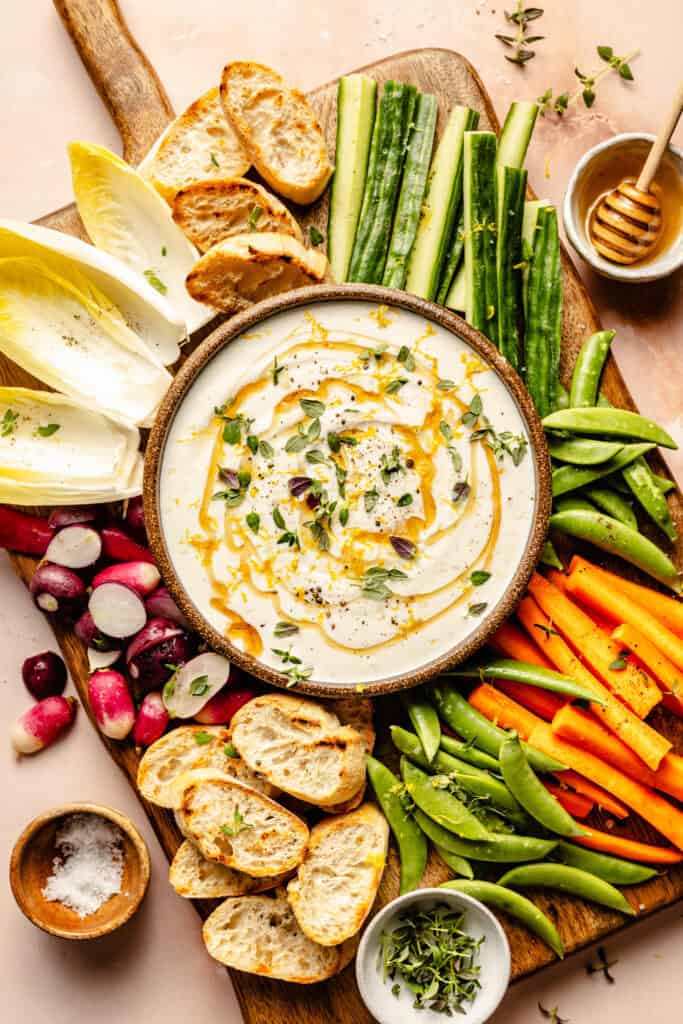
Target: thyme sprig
{"type": "Point", "coordinates": [520, 41]}
{"type": "Point", "coordinates": [560, 104]}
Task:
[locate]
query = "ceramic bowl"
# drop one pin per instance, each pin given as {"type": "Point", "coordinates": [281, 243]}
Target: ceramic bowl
{"type": "Point", "coordinates": [493, 960]}
{"type": "Point", "coordinates": [31, 865]}
{"type": "Point", "coordinates": [664, 263]}
{"type": "Point", "coordinates": [189, 583]}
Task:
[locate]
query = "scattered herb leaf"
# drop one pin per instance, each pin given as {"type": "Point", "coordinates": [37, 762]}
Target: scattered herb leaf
{"type": "Point", "coordinates": [479, 577]}
{"type": "Point", "coordinates": [315, 235]}
{"type": "Point", "coordinates": [155, 281]}
{"type": "Point", "coordinates": [49, 429]}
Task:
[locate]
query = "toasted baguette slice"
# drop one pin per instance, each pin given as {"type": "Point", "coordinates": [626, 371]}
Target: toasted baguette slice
{"type": "Point", "coordinates": [356, 712]}
{"type": "Point", "coordinates": [260, 934]}
{"type": "Point", "coordinates": [209, 211]}
{"type": "Point", "coordinates": [301, 748]}
{"type": "Point", "coordinates": [278, 129]}
{"type": "Point", "coordinates": [336, 885]}
{"type": "Point", "coordinates": [251, 267]}
{"type": "Point", "coordinates": [195, 877]}
{"type": "Point", "coordinates": [239, 827]}
{"type": "Point", "coordinates": [200, 145]}
{"type": "Point", "coordinates": [185, 749]}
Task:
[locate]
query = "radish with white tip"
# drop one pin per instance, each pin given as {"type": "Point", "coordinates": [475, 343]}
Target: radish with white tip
{"type": "Point", "coordinates": [111, 703]}
{"type": "Point", "coordinates": [61, 517]}
{"type": "Point", "coordinates": [142, 577]}
{"type": "Point", "coordinates": [101, 659]}
{"type": "Point", "coordinates": [193, 685]}
{"type": "Point", "coordinates": [117, 610]}
{"type": "Point", "coordinates": [75, 547]}
{"type": "Point", "coordinates": [151, 721]}
{"type": "Point", "coordinates": [42, 724]}
{"type": "Point", "coordinates": [57, 590]}
{"type": "Point", "coordinates": [159, 644]}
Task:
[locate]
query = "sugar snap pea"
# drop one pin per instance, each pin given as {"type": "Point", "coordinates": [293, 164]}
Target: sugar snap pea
{"type": "Point", "coordinates": [612, 536]}
{"type": "Point", "coordinates": [644, 489]}
{"type": "Point", "coordinates": [547, 875]}
{"type": "Point", "coordinates": [439, 804]}
{"type": "Point", "coordinates": [532, 794]}
{"type": "Point", "coordinates": [609, 869]}
{"type": "Point", "coordinates": [468, 752]}
{"type": "Point", "coordinates": [460, 865]}
{"type": "Point", "coordinates": [561, 397]}
{"type": "Point", "coordinates": [568, 478]}
{"type": "Point", "coordinates": [500, 848]}
{"type": "Point", "coordinates": [549, 556]}
{"type": "Point", "coordinates": [610, 423]}
{"type": "Point", "coordinates": [613, 504]}
{"type": "Point", "coordinates": [425, 720]}
{"type": "Point", "coordinates": [515, 905]}
{"type": "Point", "coordinates": [412, 845]}
{"type": "Point", "coordinates": [521, 672]}
{"type": "Point", "coordinates": [588, 369]}
{"type": "Point", "coordinates": [570, 502]}
{"type": "Point", "coordinates": [665, 485]}
{"type": "Point", "coordinates": [583, 451]}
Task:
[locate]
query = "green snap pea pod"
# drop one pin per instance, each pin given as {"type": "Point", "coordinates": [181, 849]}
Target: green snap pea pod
{"type": "Point", "coordinates": [501, 848]}
{"type": "Point", "coordinates": [610, 423]}
{"type": "Point", "coordinates": [583, 451]}
{"type": "Point", "coordinates": [617, 483]}
{"type": "Point", "coordinates": [588, 369]}
{"type": "Point", "coordinates": [613, 504]}
{"type": "Point", "coordinates": [561, 397]}
{"type": "Point", "coordinates": [568, 478]}
{"type": "Point", "coordinates": [470, 754]}
{"type": "Point", "coordinates": [425, 720]}
{"type": "Point", "coordinates": [515, 905]}
{"type": "Point", "coordinates": [665, 485]}
{"type": "Point", "coordinates": [468, 722]}
{"type": "Point", "coordinates": [549, 556]}
{"type": "Point", "coordinates": [612, 536]}
{"type": "Point", "coordinates": [570, 502]}
{"type": "Point", "coordinates": [567, 879]}
{"type": "Point", "coordinates": [648, 495]}
{"type": "Point", "coordinates": [532, 794]}
{"type": "Point", "coordinates": [460, 865]}
{"type": "Point", "coordinates": [439, 804]}
{"type": "Point", "coordinates": [609, 869]}
{"type": "Point", "coordinates": [521, 672]}
{"type": "Point", "coordinates": [412, 845]}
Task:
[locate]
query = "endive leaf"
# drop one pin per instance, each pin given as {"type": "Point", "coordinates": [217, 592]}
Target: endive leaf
{"type": "Point", "coordinates": [126, 217]}
{"type": "Point", "coordinates": [18, 492]}
{"type": "Point", "coordinates": [63, 338]}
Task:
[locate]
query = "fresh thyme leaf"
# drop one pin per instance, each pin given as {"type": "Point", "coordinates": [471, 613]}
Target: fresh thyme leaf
{"type": "Point", "coordinates": [405, 500]}
{"type": "Point", "coordinates": [620, 662]}
{"type": "Point", "coordinates": [406, 357]}
{"type": "Point", "coordinates": [202, 738]}
{"type": "Point", "coordinates": [254, 217]}
{"type": "Point", "coordinates": [341, 475]}
{"type": "Point", "coordinates": [460, 491]}
{"type": "Point", "coordinates": [456, 458]}
{"type": "Point", "coordinates": [446, 430]}
{"type": "Point", "coordinates": [164, 250]}
{"type": "Point", "coordinates": [199, 686]}
{"type": "Point", "coordinates": [49, 429]}
{"type": "Point", "coordinates": [446, 385]}
{"type": "Point", "coordinates": [316, 457]}
{"type": "Point", "coordinates": [278, 518]}
{"type": "Point", "coordinates": [377, 352]}
{"type": "Point", "coordinates": [297, 675]}
{"type": "Point", "coordinates": [476, 405]}
{"type": "Point", "coordinates": [253, 521]}
{"type": "Point", "coordinates": [588, 82]}
{"type": "Point", "coordinates": [286, 656]}
{"type": "Point", "coordinates": [214, 161]}
{"type": "Point", "coordinates": [229, 750]}
{"type": "Point", "coordinates": [9, 422]}
{"type": "Point", "coordinates": [603, 966]}
{"type": "Point", "coordinates": [313, 432]}
{"type": "Point", "coordinates": [283, 629]}
{"type": "Point", "coordinates": [478, 608]}
{"type": "Point", "coordinates": [479, 576]}
{"type": "Point", "coordinates": [343, 516]}
{"type": "Point", "coordinates": [370, 499]}
{"type": "Point", "coordinates": [276, 370]}
{"type": "Point", "coordinates": [391, 464]}
{"type": "Point", "coordinates": [252, 443]}
{"type": "Point", "coordinates": [315, 235]}
{"type": "Point", "coordinates": [266, 450]}
{"type": "Point", "coordinates": [232, 431]}
{"type": "Point", "coordinates": [290, 539]}
{"type": "Point", "coordinates": [155, 281]}
{"type": "Point", "coordinates": [238, 824]}
{"type": "Point", "coordinates": [333, 441]}
{"type": "Point", "coordinates": [395, 385]}
{"type": "Point", "coordinates": [312, 407]}
{"type": "Point", "coordinates": [296, 443]}
{"type": "Point", "coordinates": [553, 1015]}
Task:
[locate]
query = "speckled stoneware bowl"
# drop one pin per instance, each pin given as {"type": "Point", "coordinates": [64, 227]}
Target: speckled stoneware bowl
{"type": "Point", "coordinates": [526, 556]}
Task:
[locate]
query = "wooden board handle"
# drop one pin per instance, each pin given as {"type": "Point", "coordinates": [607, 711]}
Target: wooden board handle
{"type": "Point", "coordinates": [124, 78]}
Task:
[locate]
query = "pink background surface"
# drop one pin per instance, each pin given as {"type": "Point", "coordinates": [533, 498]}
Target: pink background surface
{"type": "Point", "coordinates": [155, 969]}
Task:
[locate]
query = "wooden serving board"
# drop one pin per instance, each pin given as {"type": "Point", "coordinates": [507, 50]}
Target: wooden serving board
{"type": "Point", "coordinates": [140, 108]}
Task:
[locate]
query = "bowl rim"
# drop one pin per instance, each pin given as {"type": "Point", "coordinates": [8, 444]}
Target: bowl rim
{"type": "Point", "coordinates": [503, 968]}
{"type": "Point", "coordinates": [23, 842]}
{"type": "Point", "coordinates": [635, 274]}
{"type": "Point", "coordinates": [227, 332]}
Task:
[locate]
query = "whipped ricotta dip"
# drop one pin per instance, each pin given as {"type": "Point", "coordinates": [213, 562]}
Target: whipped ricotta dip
{"type": "Point", "coordinates": [345, 491]}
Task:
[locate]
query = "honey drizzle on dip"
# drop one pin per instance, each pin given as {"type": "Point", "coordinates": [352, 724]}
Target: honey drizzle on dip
{"type": "Point", "coordinates": [399, 439]}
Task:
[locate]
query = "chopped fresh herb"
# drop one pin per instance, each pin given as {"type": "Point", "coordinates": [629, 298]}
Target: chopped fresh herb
{"type": "Point", "coordinates": [286, 656]}
{"type": "Point", "coordinates": [603, 966]}
{"type": "Point", "coordinates": [519, 42]}
{"type": "Point", "coordinates": [461, 491]}
{"type": "Point", "coordinates": [266, 450]}
{"type": "Point", "coordinates": [456, 458]}
{"type": "Point", "coordinates": [9, 422]}
{"type": "Point", "coordinates": [319, 534]}
{"type": "Point", "coordinates": [478, 608]}
{"type": "Point", "coordinates": [285, 629]}
{"type": "Point", "coordinates": [232, 496]}
{"type": "Point", "coordinates": [164, 250]}
{"type": "Point", "coordinates": [252, 443]}
{"type": "Point", "coordinates": [406, 357]}
{"type": "Point", "coordinates": [391, 464]}
{"type": "Point", "coordinates": [238, 824]}
{"type": "Point", "coordinates": [49, 429]}
{"type": "Point", "coordinates": [343, 516]}
{"type": "Point", "coordinates": [298, 675]}
{"type": "Point", "coordinates": [446, 430]}
{"type": "Point", "coordinates": [202, 738]}
{"type": "Point", "coordinates": [334, 441]}
{"type": "Point", "coordinates": [375, 353]}
{"type": "Point", "coordinates": [279, 519]}
{"type": "Point", "coordinates": [316, 457]}
{"type": "Point", "coordinates": [298, 485]}
{"type": "Point", "coordinates": [155, 281]}
{"type": "Point", "coordinates": [312, 407]}
{"type": "Point", "coordinates": [253, 521]}
{"type": "Point", "coordinates": [290, 539]}
{"type": "Point", "coordinates": [479, 577]}
{"type": "Point", "coordinates": [199, 686]}
{"type": "Point", "coordinates": [620, 662]}
{"type": "Point", "coordinates": [403, 547]}
{"type": "Point", "coordinates": [370, 499]}
{"type": "Point", "coordinates": [553, 1015]}
{"type": "Point", "coordinates": [229, 750]}
{"type": "Point", "coordinates": [446, 385]}
{"type": "Point", "coordinates": [214, 161]}
{"type": "Point", "coordinates": [315, 235]}
{"type": "Point", "coordinates": [373, 583]}
{"type": "Point", "coordinates": [313, 432]}
{"type": "Point", "coordinates": [276, 370]}
{"type": "Point", "coordinates": [395, 385]}
{"type": "Point", "coordinates": [232, 431]}
{"type": "Point", "coordinates": [505, 443]}
{"type": "Point", "coordinates": [405, 500]}
{"type": "Point", "coordinates": [296, 443]}
{"type": "Point", "coordinates": [254, 217]}
{"type": "Point", "coordinates": [341, 475]}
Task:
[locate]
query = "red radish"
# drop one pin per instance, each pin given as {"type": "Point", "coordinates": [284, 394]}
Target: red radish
{"type": "Point", "coordinates": [86, 630]}
{"type": "Point", "coordinates": [42, 724]}
{"type": "Point", "coordinates": [159, 644]}
{"type": "Point", "coordinates": [135, 518]}
{"type": "Point", "coordinates": [101, 659]}
{"type": "Point", "coordinates": [223, 705]}
{"type": "Point", "coordinates": [117, 610]}
{"type": "Point", "coordinates": [75, 547]}
{"type": "Point", "coordinates": [111, 703]}
{"type": "Point", "coordinates": [151, 721]}
{"type": "Point", "coordinates": [161, 604]}
{"type": "Point", "coordinates": [118, 546]}
{"type": "Point", "coordinates": [44, 675]}
{"type": "Point", "coordinates": [142, 577]}
{"type": "Point", "coordinates": [55, 588]}
{"type": "Point", "coordinates": [61, 517]}
{"type": "Point", "coordinates": [193, 685]}
{"type": "Point", "coordinates": [19, 532]}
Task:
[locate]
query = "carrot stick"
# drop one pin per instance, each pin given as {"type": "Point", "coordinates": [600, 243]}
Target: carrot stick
{"type": "Point", "coordinates": [575, 804]}
{"type": "Point", "coordinates": [668, 610]}
{"type": "Point", "coordinates": [541, 702]}
{"type": "Point", "coordinates": [646, 742]}
{"type": "Point", "coordinates": [590, 587]}
{"type": "Point", "coordinates": [512, 643]}
{"type": "Point", "coordinates": [661, 814]}
{"type": "Point", "coordinates": [629, 849]}
{"type": "Point", "coordinates": [558, 579]}
{"type": "Point", "coordinates": [666, 675]}
{"type": "Point", "coordinates": [503, 711]}
{"type": "Point", "coordinates": [635, 688]}
{"type": "Point", "coordinates": [594, 793]}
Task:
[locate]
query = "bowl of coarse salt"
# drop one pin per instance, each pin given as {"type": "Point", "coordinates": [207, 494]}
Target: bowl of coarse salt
{"type": "Point", "coordinates": [79, 871]}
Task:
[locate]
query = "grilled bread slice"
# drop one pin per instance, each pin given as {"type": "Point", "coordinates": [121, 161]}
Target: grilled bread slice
{"type": "Point", "coordinates": [238, 827]}
{"type": "Point", "coordinates": [209, 211]}
{"type": "Point", "coordinates": [195, 877]}
{"type": "Point", "coordinates": [279, 130]}
{"type": "Point", "coordinates": [187, 748]}
{"type": "Point", "coordinates": [251, 267]}
{"type": "Point", "coordinates": [260, 934]}
{"type": "Point", "coordinates": [356, 712]}
{"type": "Point", "coordinates": [200, 145]}
{"type": "Point", "coordinates": [337, 882]}
{"type": "Point", "coordinates": [301, 748]}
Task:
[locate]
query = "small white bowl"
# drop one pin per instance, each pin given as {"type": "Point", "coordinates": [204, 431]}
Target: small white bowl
{"type": "Point", "coordinates": [666, 263]}
{"type": "Point", "coordinates": [493, 960]}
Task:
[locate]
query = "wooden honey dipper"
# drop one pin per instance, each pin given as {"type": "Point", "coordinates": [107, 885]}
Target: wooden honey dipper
{"type": "Point", "coordinates": [627, 222]}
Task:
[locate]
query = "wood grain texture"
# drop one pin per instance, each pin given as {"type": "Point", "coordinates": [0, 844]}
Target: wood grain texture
{"type": "Point", "coordinates": [140, 108]}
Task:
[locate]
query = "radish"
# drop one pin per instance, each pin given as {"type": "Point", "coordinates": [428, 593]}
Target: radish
{"type": "Point", "coordinates": [42, 724]}
{"type": "Point", "coordinates": [86, 630]}
{"type": "Point", "coordinates": [223, 705]}
{"type": "Point", "coordinates": [159, 644]}
{"type": "Point", "coordinates": [101, 659]}
{"type": "Point", "coordinates": [44, 675]}
{"type": "Point", "coordinates": [151, 721]}
{"type": "Point", "coordinates": [28, 534]}
{"type": "Point", "coordinates": [55, 588]}
{"type": "Point", "coordinates": [117, 611]}
{"type": "Point", "coordinates": [142, 577]}
{"type": "Point", "coordinates": [75, 547]}
{"type": "Point", "coordinates": [193, 685]}
{"type": "Point", "coordinates": [161, 604]}
{"type": "Point", "coordinates": [61, 517]}
{"type": "Point", "coordinates": [135, 518]}
{"type": "Point", "coordinates": [118, 546]}
{"type": "Point", "coordinates": [111, 703]}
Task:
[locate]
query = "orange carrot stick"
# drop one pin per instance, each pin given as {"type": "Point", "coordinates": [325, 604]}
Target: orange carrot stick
{"type": "Point", "coordinates": [541, 702]}
{"type": "Point", "coordinates": [575, 804]}
{"type": "Point", "coordinates": [666, 675]}
{"type": "Point", "coordinates": [503, 711]}
{"type": "Point", "coordinates": [559, 580]}
{"type": "Point", "coordinates": [594, 793]}
{"type": "Point", "coordinates": [590, 587]}
{"type": "Point", "coordinates": [512, 643]}
{"type": "Point", "coordinates": [668, 610]}
{"type": "Point", "coordinates": [629, 849]}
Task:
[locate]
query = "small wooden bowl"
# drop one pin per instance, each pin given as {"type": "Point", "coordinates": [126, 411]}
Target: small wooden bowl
{"type": "Point", "coordinates": [31, 866]}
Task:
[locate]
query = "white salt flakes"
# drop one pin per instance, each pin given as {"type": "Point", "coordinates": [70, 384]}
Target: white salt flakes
{"type": "Point", "coordinates": [89, 867]}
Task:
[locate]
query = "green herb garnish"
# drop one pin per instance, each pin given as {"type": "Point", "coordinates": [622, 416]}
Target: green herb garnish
{"type": "Point", "coordinates": [394, 386]}
{"type": "Point", "coordinates": [343, 516]}
{"type": "Point", "coordinates": [9, 422]}
{"type": "Point", "coordinates": [603, 966]}
{"type": "Point", "coordinates": [553, 1015]}
{"type": "Point", "coordinates": [155, 281]}
{"type": "Point", "coordinates": [285, 629]}
{"type": "Point", "coordinates": [266, 450]}
{"type": "Point", "coordinates": [202, 738]}
{"type": "Point", "coordinates": [391, 464]}
{"type": "Point", "coordinates": [370, 499]}
{"type": "Point", "coordinates": [199, 686]}
{"type": "Point", "coordinates": [587, 82]}
{"type": "Point", "coordinates": [406, 357]}
{"type": "Point", "coordinates": [276, 370]}
{"type": "Point", "coordinates": [315, 235]}
{"type": "Point", "coordinates": [478, 608]}
{"type": "Point", "coordinates": [373, 582]}
{"type": "Point", "coordinates": [446, 385]}
{"type": "Point", "coordinates": [254, 217]}
{"type": "Point", "coordinates": [48, 430]}
{"type": "Point", "coordinates": [312, 407]}
{"type": "Point", "coordinates": [519, 43]}
{"type": "Point", "coordinates": [620, 662]}
{"type": "Point", "coordinates": [253, 520]}
{"type": "Point", "coordinates": [405, 500]}
{"type": "Point", "coordinates": [238, 824]}
{"type": "Point", "coordinates": [479, 576]}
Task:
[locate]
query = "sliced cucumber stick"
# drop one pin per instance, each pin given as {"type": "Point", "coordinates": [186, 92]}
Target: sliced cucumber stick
{"type": "Point", "coordinates": [457, 296]}
{"type": "Point", "coordinates": [544, 313]}
{"type": "Point", "coordinates": [508, 264]}
{"type": "Point", "coordinates": [514, 138]}
{"type": "Point", "coordinates": [529, 225]}
{"type": "Point", "coordinates": [479, 197]}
